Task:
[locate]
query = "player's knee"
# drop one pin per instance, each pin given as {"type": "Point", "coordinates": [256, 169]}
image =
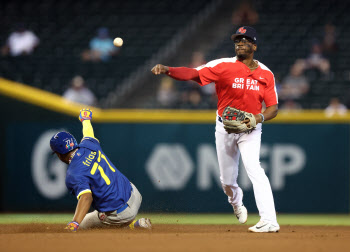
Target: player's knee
{"type": "Point", "coordinates": [227, 189]}
{"type": "Point", "coordinates": [256, 175]}
{"type": "Point", "coordinates": [252, 166]}
{"type": "Point", "coordinates": [91, 220]}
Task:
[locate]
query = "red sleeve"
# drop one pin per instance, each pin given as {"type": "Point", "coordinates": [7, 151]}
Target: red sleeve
{"type": "Point", "coordinates": [209, 73]}
{"type": "Point", "coordinates": [270, 96]}
{"type": "Point", "coordinates": [183, 73]}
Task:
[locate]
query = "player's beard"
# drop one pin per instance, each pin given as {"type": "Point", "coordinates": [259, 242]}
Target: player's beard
{"type": "Point", "coordinates": [243, 54]}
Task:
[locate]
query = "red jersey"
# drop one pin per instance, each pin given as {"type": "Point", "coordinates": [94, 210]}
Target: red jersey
{"type": "Point", "coordinates": [237, 86]}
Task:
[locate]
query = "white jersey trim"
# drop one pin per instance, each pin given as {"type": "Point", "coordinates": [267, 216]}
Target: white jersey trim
{"type": "Point", "coordinates": [83, 192]}
{"type": "Point", "coordinates": [214, 63]}
{"type": "Point", "coordinates": [274, 80]}
{"type": "Point", "coordinates": [264, 67]}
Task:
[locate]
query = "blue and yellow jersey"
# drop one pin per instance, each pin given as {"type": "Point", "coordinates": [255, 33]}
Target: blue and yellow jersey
{"type": "Point", "coordinates": [90, 171]}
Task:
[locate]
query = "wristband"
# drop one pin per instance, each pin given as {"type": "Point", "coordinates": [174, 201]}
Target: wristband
{"type": "Point", "coordinates": [262, 117]}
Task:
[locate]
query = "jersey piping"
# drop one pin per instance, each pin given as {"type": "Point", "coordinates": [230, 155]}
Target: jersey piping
{"type": "Point", "coordinates": [83, 192]}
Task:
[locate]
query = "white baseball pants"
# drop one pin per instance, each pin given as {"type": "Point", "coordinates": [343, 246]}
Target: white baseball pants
{"type": "Point", "coordinates": [229, 147]}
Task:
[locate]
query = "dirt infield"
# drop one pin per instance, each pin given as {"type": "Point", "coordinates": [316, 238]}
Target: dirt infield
{"type": "Point", "coordinates": [49, 237]}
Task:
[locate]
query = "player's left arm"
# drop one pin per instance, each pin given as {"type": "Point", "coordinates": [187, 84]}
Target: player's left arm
{"type": "Point", "coordinates": [271, 101]}
{"type": "Point", "coordinates": [269, 113]}
{"type": "Point", "coordinates": [82, 209]}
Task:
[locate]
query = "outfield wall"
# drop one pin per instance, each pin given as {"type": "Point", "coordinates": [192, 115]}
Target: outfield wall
{"type": "Point", "coordinates": [173, 163]}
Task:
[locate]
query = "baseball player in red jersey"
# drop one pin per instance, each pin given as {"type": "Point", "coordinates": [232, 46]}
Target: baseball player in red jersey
{"type": "Point", "coordinates": [244, 83]}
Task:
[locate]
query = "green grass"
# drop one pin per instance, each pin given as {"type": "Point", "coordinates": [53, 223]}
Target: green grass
{"type": "Point", "coordinates": [159, 218]}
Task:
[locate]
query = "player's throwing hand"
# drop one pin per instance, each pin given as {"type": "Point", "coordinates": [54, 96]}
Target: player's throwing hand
{"type": "Point", "coordinates": [160, 69]}
{"type": "Point", "coordinates": [85, 114]}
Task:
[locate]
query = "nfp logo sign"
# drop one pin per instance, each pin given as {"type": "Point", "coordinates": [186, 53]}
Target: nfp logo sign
{"type": "Point", "coordinates": [170, 166]}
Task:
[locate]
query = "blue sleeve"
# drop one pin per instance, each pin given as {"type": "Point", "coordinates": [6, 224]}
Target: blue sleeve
{"type": "Point", "coordinates": [78, 185]}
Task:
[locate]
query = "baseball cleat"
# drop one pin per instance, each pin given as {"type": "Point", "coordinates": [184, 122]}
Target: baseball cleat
{"type": "Point", "coordinates": [264, 227]}
{"type": "Point", "coordinates": [145, 223]}
{"type": "Point", "coordinates": [241, 213]}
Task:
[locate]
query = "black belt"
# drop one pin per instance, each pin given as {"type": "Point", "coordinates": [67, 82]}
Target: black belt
{"type": "Point", "coordinates": [220, 119]}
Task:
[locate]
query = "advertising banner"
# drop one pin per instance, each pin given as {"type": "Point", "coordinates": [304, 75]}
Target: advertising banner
{"type": "Point", "coordinates": [176, 170]}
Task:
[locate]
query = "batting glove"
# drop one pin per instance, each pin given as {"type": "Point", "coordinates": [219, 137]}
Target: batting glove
{"type": "Point", "coordinates": [85, 114]}
{"type": "Point", "coordinates": [72, 226]}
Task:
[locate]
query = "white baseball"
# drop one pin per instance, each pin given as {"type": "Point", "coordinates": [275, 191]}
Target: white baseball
{"type": "Point", "coordinates": [118, 42]}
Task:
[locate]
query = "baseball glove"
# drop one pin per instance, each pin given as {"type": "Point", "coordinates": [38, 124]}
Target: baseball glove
{"type": "Point", "coordinates": [233, 121]}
